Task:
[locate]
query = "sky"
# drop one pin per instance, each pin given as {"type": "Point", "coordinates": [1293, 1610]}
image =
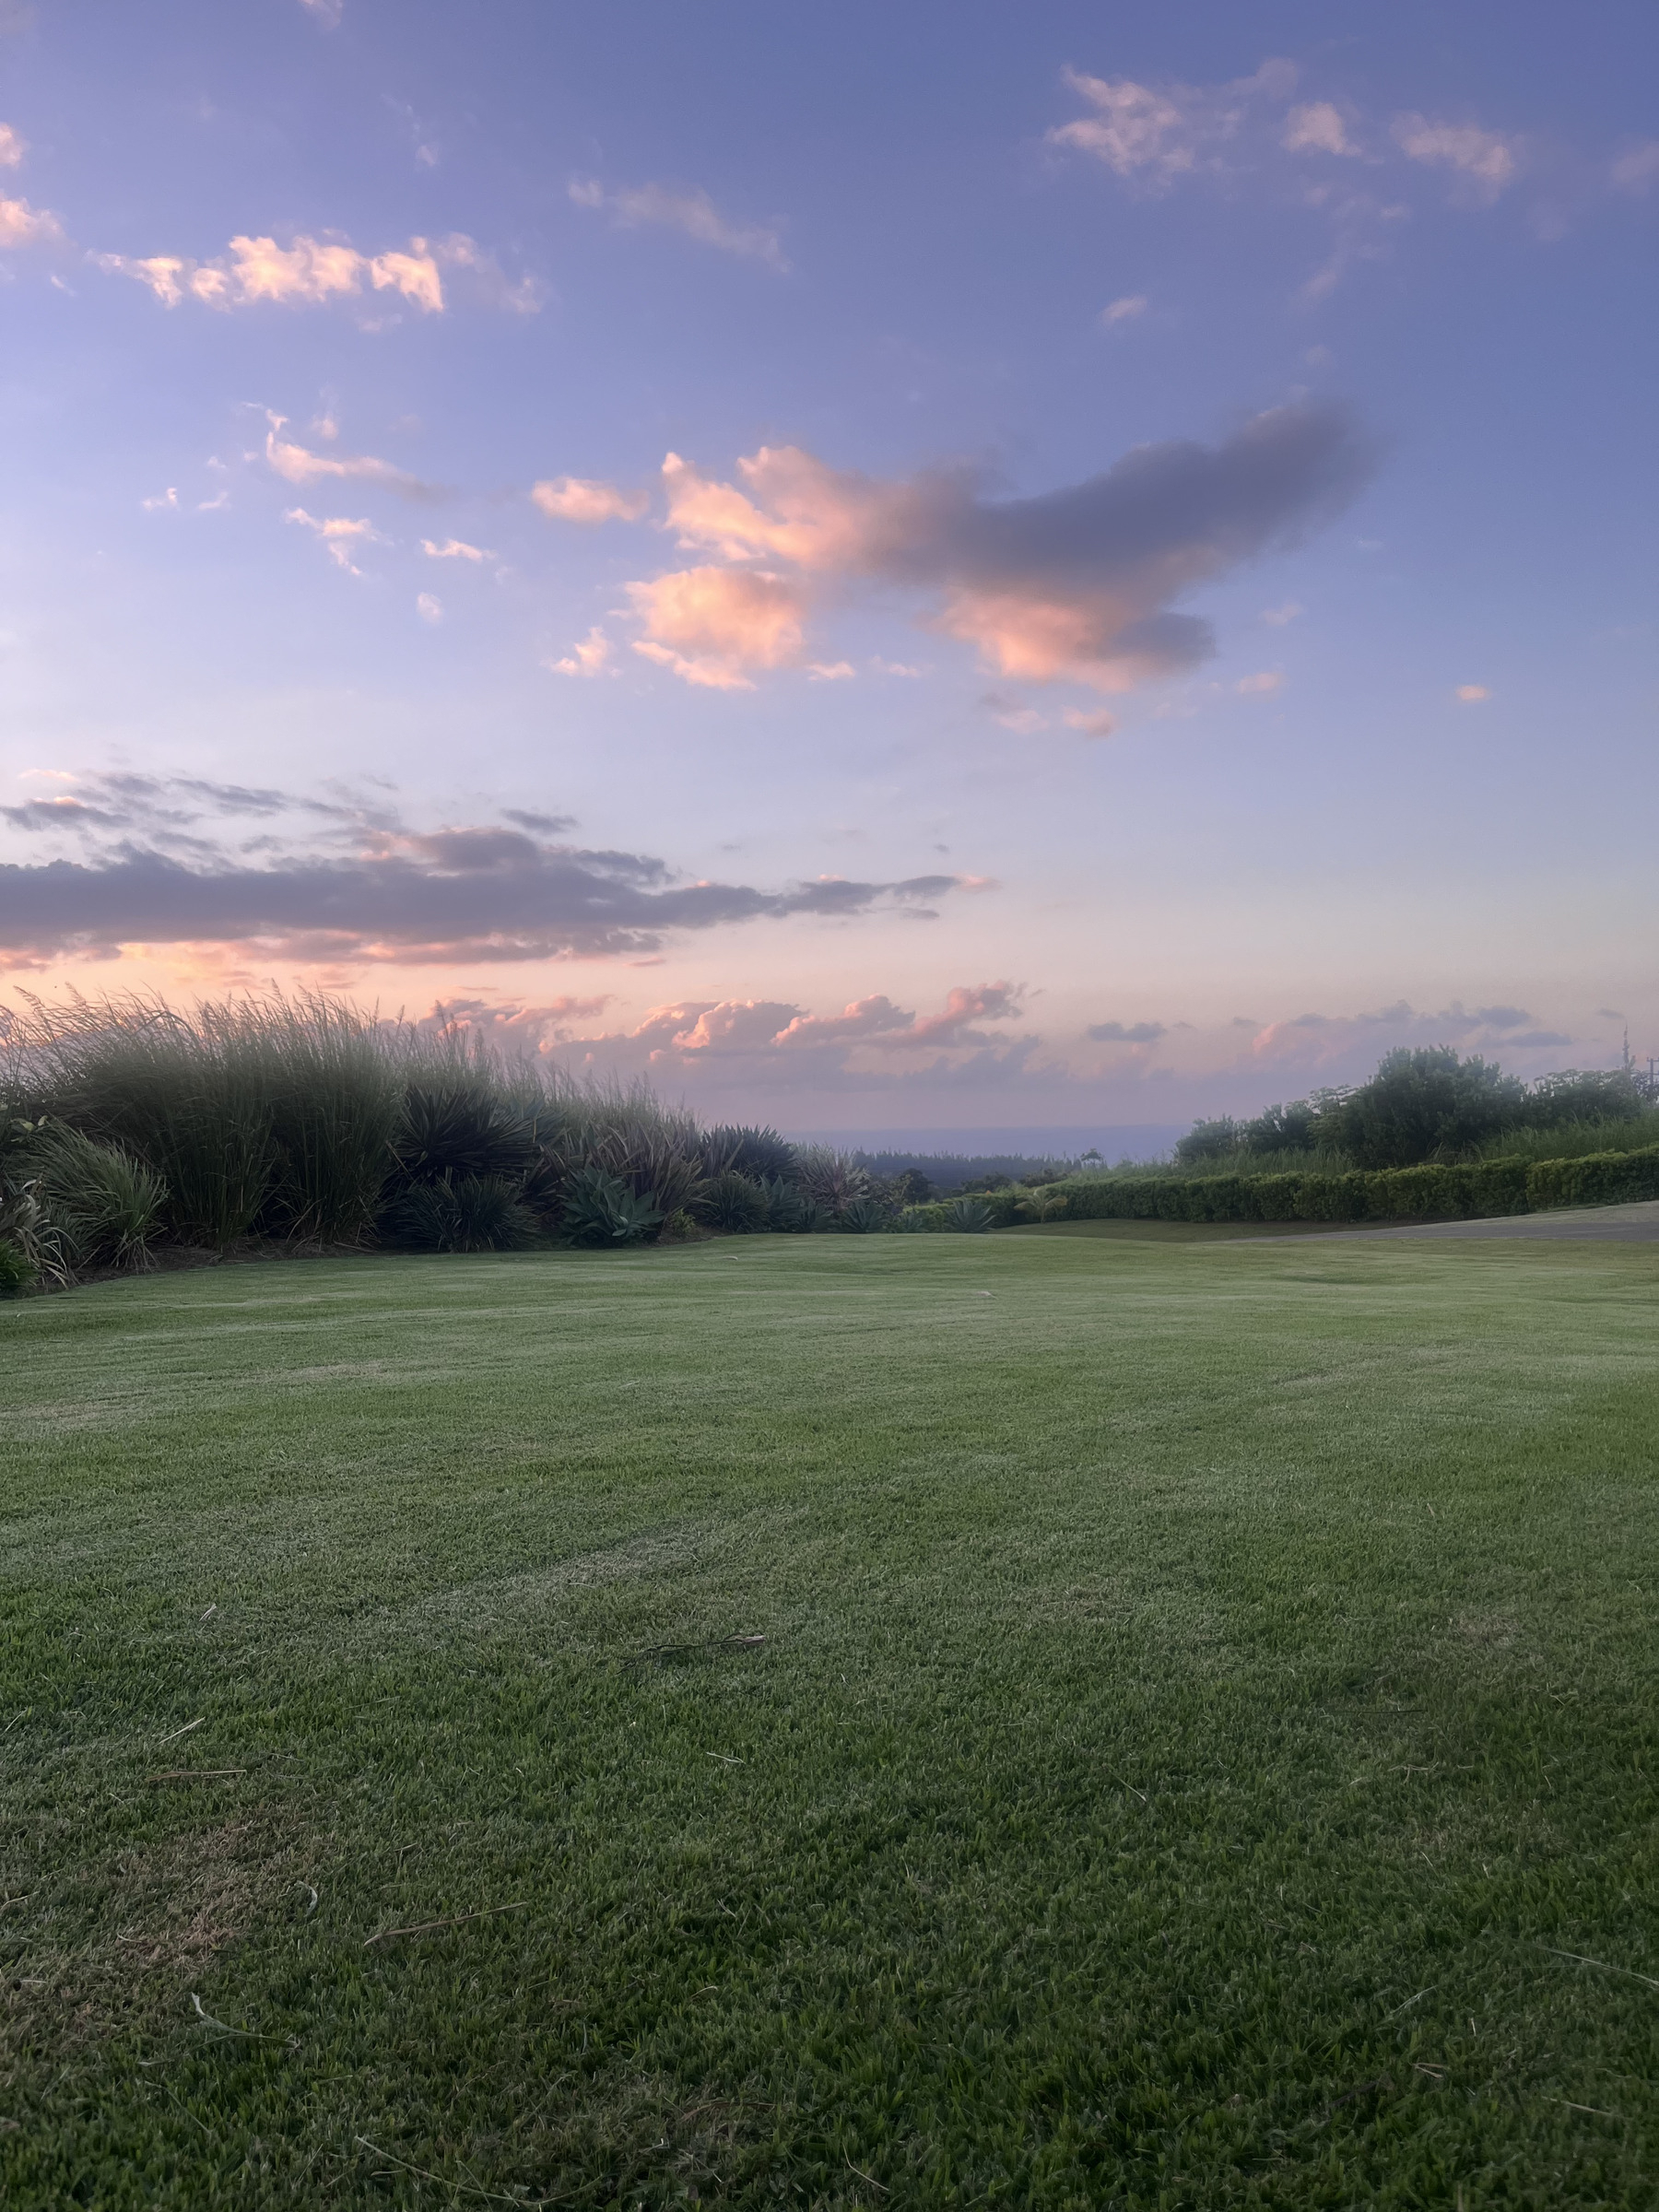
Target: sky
{"type": "Point", "coordinates": [973, 566]}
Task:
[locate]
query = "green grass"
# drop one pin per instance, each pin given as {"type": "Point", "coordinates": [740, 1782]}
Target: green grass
{"type": "Point", "coordinates": [1204, 1691]}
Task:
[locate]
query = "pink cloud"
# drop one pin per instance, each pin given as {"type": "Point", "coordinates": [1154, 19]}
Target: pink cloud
{"type": "Point", "coordinates": [709, 624]}
{"type": "Point", "coordinates": [1073, 585]}
{"type": "Point", "coordinates": [583, 500]}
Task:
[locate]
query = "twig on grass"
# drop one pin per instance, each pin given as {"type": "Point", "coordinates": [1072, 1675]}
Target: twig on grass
{"type": "Point", "coordinates": [251, 2035]}
{"type": "Point", "coordinates": [704, 1643]}
{"type": "Point", "coordinates": [425, 1927]}
{"type": "Point", "coordinates": [859, 2169]}
{"type": "Point", "coordinates": [174, 1737]}
{"type": "Point", "coordinates": [492, 2196]}
{"type": "Point", "coordinates": [1130, 1788]}
{"type": "Point", "coordinates": [1410, 2001]}
{"type": "Point", "coordinates": [195, 1773]}
{"type": "Point", "coordinates": [1606, 1969]}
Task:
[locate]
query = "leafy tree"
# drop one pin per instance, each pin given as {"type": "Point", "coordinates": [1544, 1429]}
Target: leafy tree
{"type": "Point", "coordinates": [1423, 1104]}
{"type": "Point", "coordinates": [1219, 1139]}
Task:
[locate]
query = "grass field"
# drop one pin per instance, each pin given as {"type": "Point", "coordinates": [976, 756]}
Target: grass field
{"type": "Point", "coordinates": [1200, 1754]}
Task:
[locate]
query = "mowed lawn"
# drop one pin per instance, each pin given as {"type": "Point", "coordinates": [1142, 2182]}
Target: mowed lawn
{"type": "Point", "coordinates": [1200, 1753]}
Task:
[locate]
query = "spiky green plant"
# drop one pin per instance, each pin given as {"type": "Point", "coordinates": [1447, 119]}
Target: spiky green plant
{"type": "Point", "coordinates": [864, 1216]}
{"type": "Point", "coordinates": [970, 1214]}
{"type": "Point", "coordinates": [788, 1207]}
{"type": "Point", "coordinates": [599, 1208]}
{"type": "Point", "coordinates": [730, 1201]}
{"type": "Point", "coordinates": [760, 1154]}
{"type": "Point", "coordinates": [17, 1271]}
{"type": "Point", "coordinates": [831, 1179]}
{"type": "Point", "coordinates": [474, 1213]}
{"type": "Point", "coordinates": [181, 1093]}
{"type": "Point", "coordinates": [107, 1205]}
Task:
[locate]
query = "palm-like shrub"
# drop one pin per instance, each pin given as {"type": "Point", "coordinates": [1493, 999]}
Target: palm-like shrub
{"type": "Point", "coordinates": [760, 1154]}
{"type": "Point", "coordinates": [599, 1208]}
{"type": "Point", "coordinates": [107, 1205]}
{"type": "Point", "coordinates": [831, 1179]}
{"type": "Point", "coordinates": [473, 1213]}
{"type": "Point", "coordinates": [971, 1215]}
{"type": "Point", "coordinates": [453, 1123]}
{"type": "Point", "coordinates": [730, 1201]}
{"type": "Point", "coordinates": [15, 1271]}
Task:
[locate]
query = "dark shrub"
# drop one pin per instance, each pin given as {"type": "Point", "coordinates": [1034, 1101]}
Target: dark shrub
{"type": "Point", "coordinates": [461, 1126]}
{"type": "Point", "coordinates": [730, 1201]}
{"type": "Point", "coordinates": [760, 1154]}
{"type": "Point", "coordinates": [475, 1213]}
{"type": "Point", "coordinates": [15, 1273]}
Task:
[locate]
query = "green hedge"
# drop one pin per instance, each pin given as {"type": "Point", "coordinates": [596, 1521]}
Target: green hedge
{"type": "Point", "coordinates": [1470, 1192]}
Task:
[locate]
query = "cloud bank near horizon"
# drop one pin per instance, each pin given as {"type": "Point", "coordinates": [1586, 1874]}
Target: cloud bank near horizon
{"type": "Point", "coordinates": [364, 887]}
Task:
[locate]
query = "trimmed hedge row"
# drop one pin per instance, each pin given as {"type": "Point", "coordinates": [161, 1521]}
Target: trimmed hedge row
{"type": "Point", "coordinates": [1474, 1192]}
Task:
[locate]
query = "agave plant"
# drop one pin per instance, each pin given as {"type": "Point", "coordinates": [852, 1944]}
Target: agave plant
{"type": "Point", "coordinates": [969, 1214]}
{"type": "Point", "coordinates": [864, 1216]}
{"type": "Point", "coordinates": [600, 1209]}
{"type": "Point", "coordinates": [788, 1207]}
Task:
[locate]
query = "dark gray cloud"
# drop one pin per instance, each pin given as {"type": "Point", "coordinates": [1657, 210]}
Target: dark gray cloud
{"type": "Point", "coordinates": [479, 894]}
{"type": "Point", "coordinates": [1135, 1032]}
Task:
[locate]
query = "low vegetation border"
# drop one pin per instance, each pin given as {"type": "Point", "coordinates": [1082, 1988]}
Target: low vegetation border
{"type": "Point", "coordinates": [1473, 1191]}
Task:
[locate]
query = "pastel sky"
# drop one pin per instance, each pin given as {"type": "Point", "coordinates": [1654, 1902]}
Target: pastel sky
{"type": "Point", "coordinates": [889, 568]}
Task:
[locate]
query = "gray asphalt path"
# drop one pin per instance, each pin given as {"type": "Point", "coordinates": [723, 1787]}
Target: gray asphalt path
{"type": "Point", "coordinates": [1588, 1224]}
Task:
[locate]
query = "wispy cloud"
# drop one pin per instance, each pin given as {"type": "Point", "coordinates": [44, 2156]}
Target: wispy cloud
{"type": "Point", "coordinates": [585, 500]}
{"type": "Point", "coordinates": [1637, 171]}
{"type": "Point", "coordinates": [297, 464]}
{"type": "Point", "coordinates": [1487, 161]}
{"type": "Point", "coordinates": [338, 534]}
{"type": "Point", "coordinates": [12, 148]}
{"type": "Point", "coordinates": [21, 225]}
{"type": "Point", "coordinates": [592, 657]}
{"type": "Point", "coordinates": [311, 272]}
{"type": "Point", "coordinates": [454, 548]}
{"type": "Point", "coordinates": [1151, 135]}
{"type": "Point", "coordinates": [1128, 310]}
{"type": "Point", "coordinates": [326, 12]}
{"type": "Point", "coordinates": [1317, 128]}
{"type": "Point", "coordinates": [692, 212]}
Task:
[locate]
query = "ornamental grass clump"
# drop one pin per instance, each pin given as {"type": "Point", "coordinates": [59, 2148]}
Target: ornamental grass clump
{"type": "Point", "coordinates": [106, 1205]}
